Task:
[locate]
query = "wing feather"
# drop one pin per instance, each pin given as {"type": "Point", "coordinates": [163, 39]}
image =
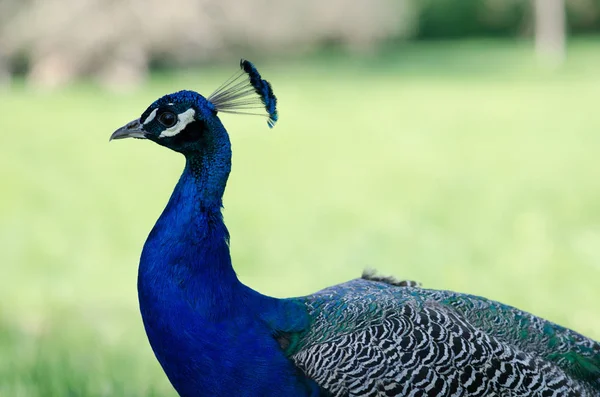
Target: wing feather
{"type": "Point", "coordinates": [372, 339]}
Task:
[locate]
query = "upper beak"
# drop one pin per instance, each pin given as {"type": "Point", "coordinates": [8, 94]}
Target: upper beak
{"type": "Point", "coordinates": [133, 129]}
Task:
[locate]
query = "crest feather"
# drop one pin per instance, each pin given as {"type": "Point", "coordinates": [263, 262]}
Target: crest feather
{"type": "Point", "coordinates": [246, 93]}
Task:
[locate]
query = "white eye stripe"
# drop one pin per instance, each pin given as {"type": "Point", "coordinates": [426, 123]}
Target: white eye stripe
{"type": "Point", "coordinates": [183, 120]}
{"type": "Point", "coordinates": [151, 116]}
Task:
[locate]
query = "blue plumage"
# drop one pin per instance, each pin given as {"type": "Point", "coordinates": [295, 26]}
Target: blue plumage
{"type": "Point", "coordinates": [263, 89]}
{"type": "Point", "coordinates": [246, 92]}
{"type": "Point", "coordinates": [374, 336]}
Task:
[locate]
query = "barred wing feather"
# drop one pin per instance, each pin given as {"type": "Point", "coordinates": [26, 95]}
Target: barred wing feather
{"type": "Point", "coordinates": [372, 339]}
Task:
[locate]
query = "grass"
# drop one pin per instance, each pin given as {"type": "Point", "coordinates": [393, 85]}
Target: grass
{"type": "Point", "coordinates": [461, 165]}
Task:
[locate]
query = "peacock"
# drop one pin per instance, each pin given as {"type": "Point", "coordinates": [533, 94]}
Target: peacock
{"type": "Point", "coordinates": [371, 336]}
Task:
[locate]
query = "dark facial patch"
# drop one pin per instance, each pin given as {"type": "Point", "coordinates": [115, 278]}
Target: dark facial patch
{"type": "Point", "coordinates": [167, 111]}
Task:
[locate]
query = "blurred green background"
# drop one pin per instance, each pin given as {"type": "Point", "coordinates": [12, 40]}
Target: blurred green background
{"type": "Point", "coordinates": [453, 143]}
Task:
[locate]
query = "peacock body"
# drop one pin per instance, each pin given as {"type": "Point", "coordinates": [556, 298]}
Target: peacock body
{"type": "Point", "coordinates": [373, 339]}
{"type": "Point", "coordinates": [371, 336]}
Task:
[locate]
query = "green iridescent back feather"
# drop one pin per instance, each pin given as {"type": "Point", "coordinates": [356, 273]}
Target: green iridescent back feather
{"type": "Point", "coordinates": [390, 325]}
{"type": "Point", "coordinates": [577, 354]}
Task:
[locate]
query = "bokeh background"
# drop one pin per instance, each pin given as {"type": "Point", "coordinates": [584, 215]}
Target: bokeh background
{"type": "Point", "coordinates": [453, 142]}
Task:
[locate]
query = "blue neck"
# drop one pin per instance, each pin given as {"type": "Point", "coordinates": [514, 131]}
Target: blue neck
{"type": "Point", "coordinates": [190, 241]}
{"type": "Point", "coordinates": [206, 328]}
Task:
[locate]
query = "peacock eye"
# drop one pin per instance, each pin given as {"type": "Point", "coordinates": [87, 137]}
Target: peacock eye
{"type": "Point", "coordinates": [168, 119]}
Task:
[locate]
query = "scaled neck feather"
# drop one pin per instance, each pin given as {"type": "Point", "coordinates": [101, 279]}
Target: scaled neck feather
{"type": "Point", "coordinates": [189, 245]}
{"type": "Point", "coordinates": [209, 166]}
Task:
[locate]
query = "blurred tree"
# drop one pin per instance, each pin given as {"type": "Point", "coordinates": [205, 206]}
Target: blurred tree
{"type": "Point", "coordinates": [583, 16]}
{"type": "Point", "coordinates": [467, 18]}
{"type": "Point", "coordinates": [8, 8]}
{"type": "Point", "coordinates": [550, 31]}
{"type": "Point", "coordinates": [116, 40]}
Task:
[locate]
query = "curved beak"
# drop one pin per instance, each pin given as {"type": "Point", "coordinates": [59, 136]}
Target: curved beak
{"type": "Point", "coordinates": [133, 129]}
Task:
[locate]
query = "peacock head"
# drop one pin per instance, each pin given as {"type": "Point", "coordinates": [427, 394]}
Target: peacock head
{"type": "Point", "coordinates": [185, 121]}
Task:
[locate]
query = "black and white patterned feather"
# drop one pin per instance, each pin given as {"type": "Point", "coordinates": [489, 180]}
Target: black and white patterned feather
{"type": "Point", "coordinates": [372, 337]}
